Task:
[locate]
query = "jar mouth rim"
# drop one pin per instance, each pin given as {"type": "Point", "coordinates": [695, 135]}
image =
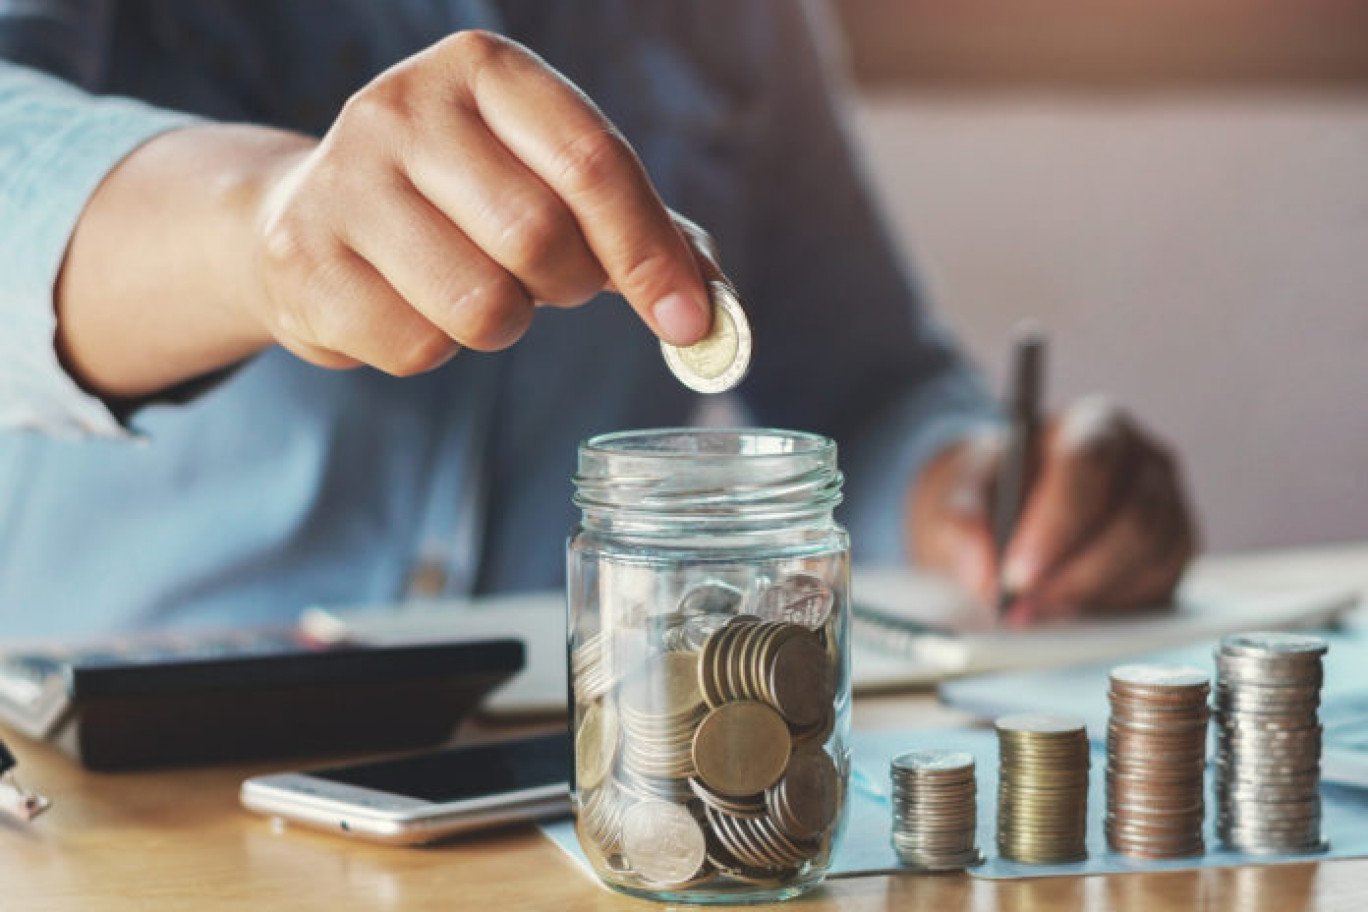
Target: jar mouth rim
{"type": "Point", "coordinates": [738, 444]}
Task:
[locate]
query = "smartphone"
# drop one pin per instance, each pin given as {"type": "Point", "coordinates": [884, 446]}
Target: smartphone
{"type": "Point", "coordinates": [424, 797]}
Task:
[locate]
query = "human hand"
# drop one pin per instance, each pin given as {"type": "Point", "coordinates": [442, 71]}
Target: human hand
{"type": "Point", "coordinates": [452, 194]}
{"type": "Point", "coordinates": [1106, 527]}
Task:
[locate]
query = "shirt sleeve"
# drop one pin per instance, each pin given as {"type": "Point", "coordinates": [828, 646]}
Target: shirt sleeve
{"type": "Point", "coordinates": [57, 143]}
{"type": "Point", "coordinates": [845, 344]}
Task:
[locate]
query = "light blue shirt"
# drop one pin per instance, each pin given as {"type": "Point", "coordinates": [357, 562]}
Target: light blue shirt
{"type": "Point", "coordinates": [286, 484]}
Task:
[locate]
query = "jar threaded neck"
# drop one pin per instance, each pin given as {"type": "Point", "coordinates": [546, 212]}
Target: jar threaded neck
{"type": "Point", "coordinates": [733, 480]}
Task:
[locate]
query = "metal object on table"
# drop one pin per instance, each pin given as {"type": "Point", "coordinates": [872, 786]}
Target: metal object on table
{"type": "Point", "coordinates": [1268, 742]}
{"type": "Point", "coordinates": [1042, 788]}
{"type": "Point", "coordinates": [1156, 760]}
{"type": "Point", "coordinates": [935, 810]}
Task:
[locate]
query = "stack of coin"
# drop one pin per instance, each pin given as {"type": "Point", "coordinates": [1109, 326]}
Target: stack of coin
{"type": "Point", "coordinates": [1268, 741]}
{"type": "Point", "coordinates": [661, 706]}
{"type": "Point", "coordinates": [776, 662]}
{"type": "Point", "coordinates": [1042, 788]}
{"type": "Point", "coordinates": [1156, 760]}
{"type": "Point", "coordinates": [600, 816]}
{"type": "Point", "coordinates": [590, 667]}
{"type": "Point", "coordinates": [713, 738]}
{"type": "Point", "coordinates": [935, 810]}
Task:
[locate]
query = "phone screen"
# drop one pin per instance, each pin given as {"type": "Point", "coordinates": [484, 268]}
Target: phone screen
{"type": "Point", "coordinates": [464, 772]}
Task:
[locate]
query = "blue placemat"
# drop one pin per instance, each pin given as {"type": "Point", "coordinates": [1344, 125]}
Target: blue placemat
{"type": "Point", "coordinates": [864, 847]}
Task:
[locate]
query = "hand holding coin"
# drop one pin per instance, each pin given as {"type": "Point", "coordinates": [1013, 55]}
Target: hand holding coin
{"type": "Point", "coordinates": [719, 361]}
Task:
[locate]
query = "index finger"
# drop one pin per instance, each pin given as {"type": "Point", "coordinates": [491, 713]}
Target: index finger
{"type": "Point", "coordinates": [566, 141]}
{"type": "Point", "coordinates": [1084, 470]}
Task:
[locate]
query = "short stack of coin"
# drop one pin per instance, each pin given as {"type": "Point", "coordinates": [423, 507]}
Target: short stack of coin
{"type": "Point", "coordinates": [1042, 788]}
{"type": "Point", "coordinates": [706, 758]}
{"type": "Point", "coordinates": [1156, 760]}
{"type": "Point", "coordinates": [935, 810]}
{"type": "Point", "coordinates": [589, 665]}
{"type": "Point", "coordinates": [1268, 741]}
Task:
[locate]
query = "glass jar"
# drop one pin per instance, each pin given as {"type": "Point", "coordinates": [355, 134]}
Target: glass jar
{"type": "Point", "coordinates": [708, 591]}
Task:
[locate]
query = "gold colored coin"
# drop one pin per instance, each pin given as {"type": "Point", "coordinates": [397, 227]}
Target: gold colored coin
{"type": "Point", "coordinates": [711, 356]}
{"type": "Point", "coordinates": [720, 360]}
{"type": "Point", "coordinates": [595, 745]}
{"type": "Point", "coordinates": [741, 748]}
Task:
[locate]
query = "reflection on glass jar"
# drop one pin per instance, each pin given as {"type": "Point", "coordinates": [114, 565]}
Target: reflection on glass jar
{"type": "Point", "coordinates": [708, 589]}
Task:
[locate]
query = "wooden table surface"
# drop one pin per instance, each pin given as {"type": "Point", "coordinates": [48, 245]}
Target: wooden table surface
{"type": "Point", "coordinates": [177, 840]}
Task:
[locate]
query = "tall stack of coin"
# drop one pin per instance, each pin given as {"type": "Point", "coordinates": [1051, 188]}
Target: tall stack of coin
{"type": "Point", "coordinates": [935, 810]}
{"type": "Point", "coordinates": [1042, 788]}
{"type": "Point", "coordinates": [1268, 741]}
{"type": "Point", "coordinates": [1156, 760]}
{"type": "Point", "coordinates": [705, 759]}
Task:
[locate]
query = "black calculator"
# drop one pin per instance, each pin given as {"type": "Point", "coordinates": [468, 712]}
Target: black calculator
{"type": "Point", "coordinates": [188, 698]}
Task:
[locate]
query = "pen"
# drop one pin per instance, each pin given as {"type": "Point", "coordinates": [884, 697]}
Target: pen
{"type": "Point", "coordinates": [1016, 472]}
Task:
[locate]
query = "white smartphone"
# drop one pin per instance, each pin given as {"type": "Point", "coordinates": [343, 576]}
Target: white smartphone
{"type": "Point", "coordinates": [424, 797]}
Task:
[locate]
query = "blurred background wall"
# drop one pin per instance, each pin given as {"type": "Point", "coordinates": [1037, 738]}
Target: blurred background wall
{"type": "Point", "coordinates": [1178, 190]}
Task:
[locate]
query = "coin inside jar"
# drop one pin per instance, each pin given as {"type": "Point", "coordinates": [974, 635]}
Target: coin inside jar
{"type": "Point", "coordinates": [667, 689]}
{"type": "Point", "coordinates": [800, 678]}
{"type": "Point", "coordinates": [595, 745]}
{"type": "Point", "coordinates": [712, 597]}
{"type": "Point", "coordinates": [799, 598]}
{"type": "Point", "coordinates": [720, 359]}
{"type": "Point", "coordinates": [804, 800]}
{"type": "Point", "coordinates": [662, 842]}
{"type": "Point", "coordinates": [741, 748]}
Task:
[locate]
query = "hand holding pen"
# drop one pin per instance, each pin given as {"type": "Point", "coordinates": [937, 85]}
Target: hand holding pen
{"type": "Point", "coordinates": [1082, 511]}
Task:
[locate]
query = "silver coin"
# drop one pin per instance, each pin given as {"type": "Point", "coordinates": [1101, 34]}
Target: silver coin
{"type": "Point", "coordinates": [1273, 643]}
{"type": "Point", "coordinates": [935, 810]}
{"type": "Point", "coordinates": [712, 597]}
{"type": "Point", "coordinates": [799, 598]}
{"type": "Point", "coordinates": [662, 842]}
{"type": "Point", "coordinates": [934, 761]}
{"type": "Point", "coordinates": [720, 361]}
{"type": "Point", "coordinates": [1268, 741]}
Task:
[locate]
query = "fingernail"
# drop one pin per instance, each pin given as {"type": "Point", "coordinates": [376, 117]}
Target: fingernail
{"type": "Point", "coordinates": [682, 320]}
{"type": "Point", "coordinates": [1017, 574]}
